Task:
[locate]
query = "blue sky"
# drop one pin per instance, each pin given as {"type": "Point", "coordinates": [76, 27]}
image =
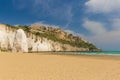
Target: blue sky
{"type": "Point", "coordinates": [95, 20]}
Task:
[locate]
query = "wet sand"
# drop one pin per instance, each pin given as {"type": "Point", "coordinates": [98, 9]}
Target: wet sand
{"type": "Point", "coordinates": [29, 66]}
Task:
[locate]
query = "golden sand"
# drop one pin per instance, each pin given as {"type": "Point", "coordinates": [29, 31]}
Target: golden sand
{"type": "Point", "coordinates": [27, 66]}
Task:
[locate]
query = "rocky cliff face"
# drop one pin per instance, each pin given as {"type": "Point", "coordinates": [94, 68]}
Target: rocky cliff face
{"type": "Point", "coordinates": [19, 39]}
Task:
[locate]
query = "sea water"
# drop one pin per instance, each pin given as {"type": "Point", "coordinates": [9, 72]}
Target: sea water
{"type": "Point", "coordinates": [109, 53]}
{"type": "Point", "coordinates": [116, 53]}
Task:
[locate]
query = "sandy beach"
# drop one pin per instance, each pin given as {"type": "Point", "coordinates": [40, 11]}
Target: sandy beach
{"type": "Point", "coordinates": [29, 66]}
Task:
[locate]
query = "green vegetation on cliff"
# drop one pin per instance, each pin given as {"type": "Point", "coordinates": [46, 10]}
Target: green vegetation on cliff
{"type": "Point", "coordinates": [72, 43]}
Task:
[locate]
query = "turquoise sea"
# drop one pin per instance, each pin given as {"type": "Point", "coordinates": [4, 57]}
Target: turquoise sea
{"type": "Point", "coordinates": [109, 53]}
{"type": "Point", "coordinates": [117, 53]}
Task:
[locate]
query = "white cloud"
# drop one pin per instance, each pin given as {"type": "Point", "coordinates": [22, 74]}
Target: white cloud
{"type": "Point", "coordinates": [104, 35]}
{"type": "Point", "coordinates": [116, 24]}
{"type": "Point", "coordinates": [94, 27]}
{"type": "Point", "coordinates": [107, 39]}
{"type": "Point", "coordinates": [103, 6]}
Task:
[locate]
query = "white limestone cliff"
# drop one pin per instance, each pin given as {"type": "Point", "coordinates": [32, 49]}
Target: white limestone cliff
{"type": "Point", "coordinates": [15, 40]}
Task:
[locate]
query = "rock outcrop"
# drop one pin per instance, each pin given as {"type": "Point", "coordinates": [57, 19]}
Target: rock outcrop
{"type": "Point", "coordinates": [20, 43]}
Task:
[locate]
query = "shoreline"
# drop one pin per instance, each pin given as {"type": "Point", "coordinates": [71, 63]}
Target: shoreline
{"type": "Point", "coordinates": [92, 56]}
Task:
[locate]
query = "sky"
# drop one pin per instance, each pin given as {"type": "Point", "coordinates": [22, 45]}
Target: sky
{"type": "Point", "coordinates": [95, 20]}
